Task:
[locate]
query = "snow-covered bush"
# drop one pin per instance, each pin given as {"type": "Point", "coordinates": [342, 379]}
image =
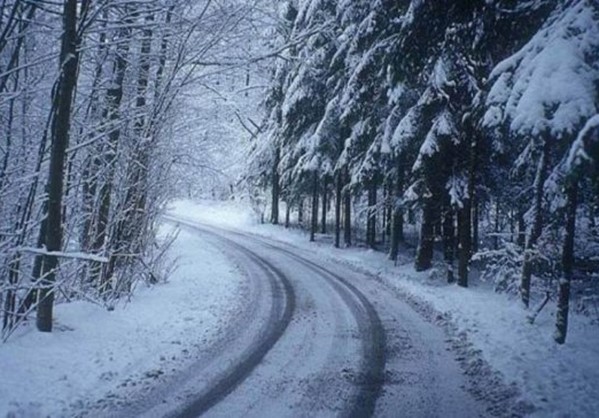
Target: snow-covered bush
{"type": "Point", "coordinates": [501, 267]}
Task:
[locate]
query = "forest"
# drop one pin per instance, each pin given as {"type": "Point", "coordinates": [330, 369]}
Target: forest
{"type": "Point", "coordinates": [94, 98]}
{"type": "Point", "coordinates": [464, 131]}
{"type": "Point", "coordinates": [299, 207]}
{"type": "Point", "coordinates": [465, 128]}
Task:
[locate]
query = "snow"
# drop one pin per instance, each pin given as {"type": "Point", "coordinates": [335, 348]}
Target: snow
{"type": "Point", "coordinates": [94, 353]}
{"type": "Point", "coordinates": [558, 380]}
{"type": "Point", "coordinates": [224, 213]}
{"type": "Point", "coordinates": [578, 151]}
{"type": "Point", "coordinates": [126, 350]}
{"type": "Point", "coordinates": [457, 187]}
{"type": "Point", "coordinates": [406, 129]}
{"type": "Point", "coordinates": [73, 254]}
{"type": "Point", "coordinates": [442, 126]}
{"type": "Point", "coordinates": [549, 85]}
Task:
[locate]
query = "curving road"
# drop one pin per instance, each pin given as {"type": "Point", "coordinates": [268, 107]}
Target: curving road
{"type": "Point", "coordinates": [314, 339]}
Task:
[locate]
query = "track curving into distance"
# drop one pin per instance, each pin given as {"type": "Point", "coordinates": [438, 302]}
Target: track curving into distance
{"type": "Point", "coordinates": [310, 338]}
{"type": "Point", "coordinates": [371, 332]}
{"type": "Point", "coordinates": [281, 313]}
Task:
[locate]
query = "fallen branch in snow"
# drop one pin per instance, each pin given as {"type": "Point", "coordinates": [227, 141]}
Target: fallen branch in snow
{"type": "Point", "coordinates": [74, 255]}
{"type": "Point", "coordinates": [533, 316]}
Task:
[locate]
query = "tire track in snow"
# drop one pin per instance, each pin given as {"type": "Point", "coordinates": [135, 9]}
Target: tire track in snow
{"type": "Point", "coordinates": [370, 379]}
{"type": "Point", "coordinates": [280, 317]}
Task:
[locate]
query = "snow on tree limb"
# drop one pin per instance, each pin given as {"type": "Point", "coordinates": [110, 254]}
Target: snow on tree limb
{"type": "Point", "coordinates": [549, 85]}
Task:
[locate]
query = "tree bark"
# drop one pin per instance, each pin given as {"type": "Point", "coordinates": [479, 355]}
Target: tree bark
{"type": "Point", "coordinates": [521, 239]}
{"type": "Point", "coordinates": [465, 213]}
{"type": "Point", "coordinates": [338, 191]}
{"type": "Point", "coordinates": [448, 239]}
{"type": "Point", "coordinates": [424, 254]}
{"type": "Point", "coordinates": [69, 63]}
{"type": "Point", "coordinates": [314, 220]}
{"type": "Point", "coordinates": [475, 235]}
{"type": "Point", "coordinates": [274, 215]}
{"type": "Point", "coordinates": [287, 214]}
{"type": "Point", "coordinates": [347, 217]}
{"type": "Point", "coordinates": [397, 234]}
{"type": "Point", "coordinates": [561, 323]}
{"type": "Point", "coordinates": [323, 227]}
{"type": "Point", "coordinates": [496, 229]}
{"type": "Point", "coordinates": [371, 219]}
{"type": "Point", "coordinates": [537, 226]}
{"type": "Point", "coordinates": [464, 245]}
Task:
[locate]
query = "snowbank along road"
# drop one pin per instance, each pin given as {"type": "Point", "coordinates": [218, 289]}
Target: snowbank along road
{"type": "Point", "coordinates": [313, 339]}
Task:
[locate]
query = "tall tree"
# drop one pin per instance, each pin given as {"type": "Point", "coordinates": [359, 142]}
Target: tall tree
{"type": "Point", "coordinates": [60, 130]}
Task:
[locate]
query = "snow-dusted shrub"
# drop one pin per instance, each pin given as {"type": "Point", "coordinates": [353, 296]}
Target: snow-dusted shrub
{"type": "Point", "coordinates": [501, 267]}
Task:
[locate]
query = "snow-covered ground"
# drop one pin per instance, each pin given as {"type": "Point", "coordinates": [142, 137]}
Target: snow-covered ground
{"type": "Point", "coordinates": [94, 354]}
{"type": "Point", "coordinates": [558, 380]}
{"type": "Point", "coordinates": [129, 349]}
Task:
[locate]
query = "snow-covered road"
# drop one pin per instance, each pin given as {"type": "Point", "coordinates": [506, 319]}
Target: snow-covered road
{"type": "Point", "coordinates": [313, 339]}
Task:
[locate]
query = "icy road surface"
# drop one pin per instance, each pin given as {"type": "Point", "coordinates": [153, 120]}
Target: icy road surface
{"type": "Point", "coordinates": [313, 339]}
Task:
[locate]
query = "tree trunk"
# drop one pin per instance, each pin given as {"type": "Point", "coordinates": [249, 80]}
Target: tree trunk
{"type": "Point", "coordinates": [314, 220]}
{"type": "Point", "coordinates": [475, 236]}
{"type": "Point", "coordinates": [424, 255]}
{"type": "Point", "coordinates": [448, 240]}
{"type": "Point", "coordinates": [300, 212]}
{"type": "Point", "coordinates": [521, 240]}
{"type": "Point", "coordinates": [347, 217]}
{"type": "Point", "coordinates": [397, 234]}
{"type": "Point", "coordinates": [114, 96]}
{"type": "Point", "coordinates": [497, 221]}
{"type": "Point", "coordinates": [561, 323]}
{"type": "Point", "coordinates": [69, 62]}
{"type": "Point", "coordinates": [371, 219]}
{"type": "Point", "coordinates": [388, 216]}
{"type": "Point", "coordinates": [338, 190]}
{"type": "Point", "coordinates": [537, 226]}
{"type": "Point", "coordinates": [274, 215]}
{"type": "Point", "coordinates": [464, 238]}
{"type": "Point", "coordinates": [465, 213]}
{"type": "Point", "coordinates": [287, 214]}
{"type": "Point", "coordinates": [323, 227]}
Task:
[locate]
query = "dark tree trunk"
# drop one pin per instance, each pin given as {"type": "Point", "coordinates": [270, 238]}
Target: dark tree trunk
{"type": "Point", "coordinates": [314, 220]}
{"type": "Point", "coordinates": [497, 228]}
{"type": "Point", "coordinates": [323, 227]}
{"type": "Point", "coordinates": [338, 191]}
{"type": "Point", "coordinates": [388, 218]}
{"type": "Point", "coordinates": [561, 323]}
{"type": "Point", "coordinates": [465, 213]}
{"type": "Point", "coordinates": [69, 62]}
{"type": "Point", "coordinates": [521, 241]}
{"type": "Point", "coordinates": [448, 240]}
{"type": "Point", "coordinates": [274, 215]}
{"type": "Point", "coordinates": [464, 237]}
{"type": "Point", "coordinates": [537, 226]}
{"type": "Point", "coordinates": [424, 254]}
{"type": "Point", "coordinates": [300, 212]}
{"type": "Point", "coordinates": [347, 217]}
{"type": "Point", "coordinates": [31, 297]}
{"type": "Point", "coordinates": [397, 234]}
{"type": "Point", "coordinates": [114, 97]}
{"type": "Point", "coordinates": [287, 214]}
{"type": "Point", "coordinates": [475, 236]}
{"type": "Point", "coordinates": [130, 228]}
{"type": "Point", "coordinates": [371, 218]}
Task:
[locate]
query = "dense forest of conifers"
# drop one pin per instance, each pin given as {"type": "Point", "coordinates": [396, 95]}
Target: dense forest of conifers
{"type": "Point", "coordinates": [475, 121]}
